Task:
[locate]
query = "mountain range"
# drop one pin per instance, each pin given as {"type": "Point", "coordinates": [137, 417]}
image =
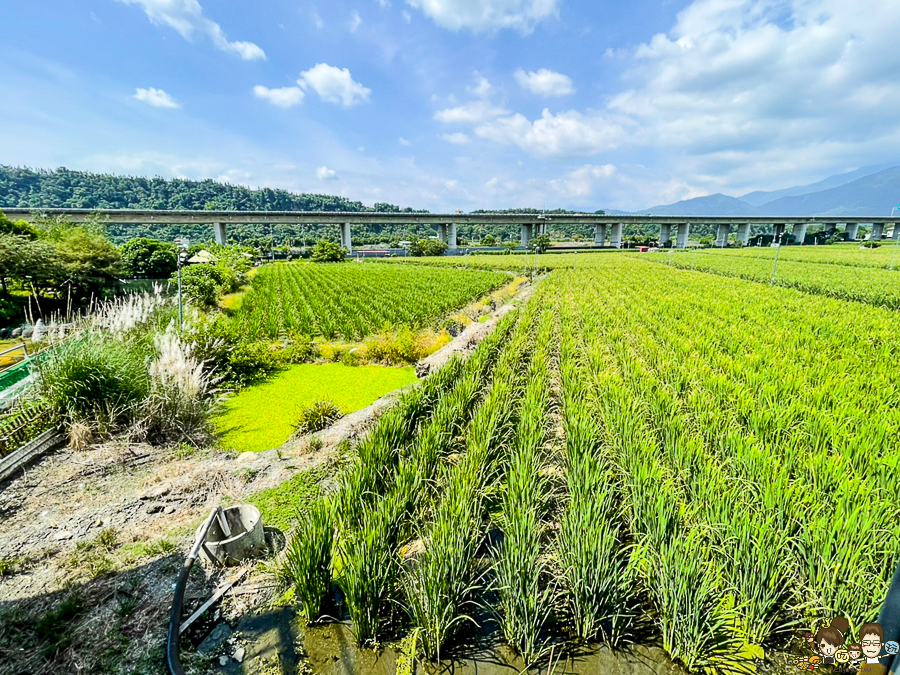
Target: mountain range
{"type": "Point", "coordinates": [869, 191]}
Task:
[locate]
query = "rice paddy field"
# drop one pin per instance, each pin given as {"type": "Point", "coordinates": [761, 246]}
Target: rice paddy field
{"type": "Point", "coordinates": [640, 452]}
{"type": "Point", "coordinates": [835, 273]}
{"type": "Point", "coordinates": [351, 301]}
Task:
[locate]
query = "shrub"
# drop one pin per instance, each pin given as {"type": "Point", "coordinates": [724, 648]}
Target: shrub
{"type": "Point", "coordinates": [405, 346]}
{"type": "Point", "coordinates": [317, 416]}
{"type": "Point", "coordinates": [200, 285]}
{"type": "Point", "coordinates": [249, 361]}
{"type": "Point", "coordinates": [327, 251]}
{"type": "Point", "coordinates": [427, 247]}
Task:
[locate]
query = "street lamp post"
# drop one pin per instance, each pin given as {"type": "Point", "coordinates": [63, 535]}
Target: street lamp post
{"type": "Point", "coordinates": [183, 244]}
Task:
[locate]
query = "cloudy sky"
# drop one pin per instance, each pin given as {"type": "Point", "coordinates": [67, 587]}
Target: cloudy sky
{"type": "Point", "coordinates": [446, 104]}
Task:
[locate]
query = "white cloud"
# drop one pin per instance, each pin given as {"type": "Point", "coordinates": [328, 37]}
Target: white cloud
{"type": "Point", "coordinates": [743, 92]}
{"type": "Point", "coordinates": [334, 85]}
{"type": "Point", "coordinates": [474, 112]}
{"type": "Point", "coordinates": [156, 97]}
{"type": "Point", "coordinates": [355, 21]}
{"type": "Point", "coordinates": [458, 138]}
{"type": "Point", "coordinates": [482, 87]}
{"type": "Point", "coordinates": [317, 20]}
{"type": "Point", "coordinates": [487, 15]}
{"type": "Point", "coordinates": [583, 182]}
{"type": "Point", "coordinates": [285, 97]}
{"type": "Point", "coordinates": [564, 135]}
{"type": "Point", "coordinates": [186, 17]}
{"type": "Point", "coordinates": [383, 3]}
{"type": "Point", "coordinates": [407, 17]}
{"type": "Point", "coordinates": [324, 173]}
{"type": "Point", "coordinates": [545, 82]}
{"type": "Point", "coordinates": [403, 141]}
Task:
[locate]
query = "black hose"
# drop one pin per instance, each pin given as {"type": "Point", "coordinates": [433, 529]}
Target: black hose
{"type": "Point", "coordinates": [174, 638]}
{"type": "Point", "coordinates": [889, 618]}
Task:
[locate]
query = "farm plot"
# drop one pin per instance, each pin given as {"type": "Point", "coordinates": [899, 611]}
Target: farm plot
{"type": "Point", "coordinates": [636, 443]}
{"type": "Point", "coordinates": [351, 301]}
{"type": "Point", "coordinates": [853, 255]}
{"type": "Point", "coordinates": [872, 285]}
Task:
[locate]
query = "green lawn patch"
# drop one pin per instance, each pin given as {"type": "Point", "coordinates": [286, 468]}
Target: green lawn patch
{"type": "Point", "coordinates": [262, 416]}
{"type": "Point", "coordinates": [280, 505]}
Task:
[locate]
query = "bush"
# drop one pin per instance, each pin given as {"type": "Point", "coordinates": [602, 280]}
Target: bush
{"type": "Point", "coordinates": [200, 285]}
{"type": "Point", "coordinates": [316, 417]}
{"type": "Point", "coordinates": [327, 251]}
{"type": "Point", "coordinates": [426, 247]}
{"type": "Point", "coordinates": [249, 361]}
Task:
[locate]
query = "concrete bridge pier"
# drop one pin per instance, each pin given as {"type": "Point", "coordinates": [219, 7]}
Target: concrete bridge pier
{"type": "Point", "coordinates": [896, 233]}
{"type": "Point", "coordinates": [877, 231]}
{"type": "Point", "coordinates": [722, 235]}
{"type": "Point", "coordinates": [525, 234]}
{"type": "Point", "coordinates": [682, 234]}
{"type": "Point", "coordinates": [799, 232]}
{"type": "Point", "coordinates": [852, 229]}
{"type": "Point", "coordinates": [442, 232]}
{"type": "Point", "coordinates": [451, 236]}
{"type": "Point", "coordinates": [345, 237]}
{"type": "Point", "coordinates": [599, 234]}
{"type": "Point", "coordinates": [615, 236]}
{"type": "Point", "coordinates": [665, 234]}
{"type": "Point", "coordinates": [220, 232]}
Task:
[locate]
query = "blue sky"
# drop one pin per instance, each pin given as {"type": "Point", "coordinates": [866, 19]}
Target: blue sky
{"type": "Point", "coordinates": [446, 104]}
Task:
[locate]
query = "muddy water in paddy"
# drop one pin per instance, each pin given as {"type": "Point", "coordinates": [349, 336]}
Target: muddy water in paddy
{"type": "Point", "coordinates": [330, 650]}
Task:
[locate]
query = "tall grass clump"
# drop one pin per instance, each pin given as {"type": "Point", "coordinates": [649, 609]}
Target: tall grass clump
{"type": "Point", "coordinates": [127, 369]}
{"type": "Point", "coordinates": [93, 379]}
{"type": "Point", "coordinates": [308, 563]}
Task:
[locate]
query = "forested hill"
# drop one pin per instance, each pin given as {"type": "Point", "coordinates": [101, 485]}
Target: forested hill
{"type": "Point", "coordinates": [62, 188]}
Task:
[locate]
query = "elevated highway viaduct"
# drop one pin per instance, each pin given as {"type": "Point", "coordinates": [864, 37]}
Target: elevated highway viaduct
{"type": "Point", "coordinates": [672, 229]}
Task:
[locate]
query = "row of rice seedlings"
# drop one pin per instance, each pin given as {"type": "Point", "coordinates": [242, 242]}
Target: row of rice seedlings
{"type": "Point", "coordinates": [442, 395]}
{"type": "Point", "coordinates": [589, 548]}
{"type": "Point", "coordinates": [525, 597]}
{"type": "Point", "coordinates": [440, 584]}
{"type": "Point", "coordinates": [373, 523]}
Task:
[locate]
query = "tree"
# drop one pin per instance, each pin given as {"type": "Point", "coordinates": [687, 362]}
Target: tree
{"type": "Point", "coordinates": [327, 251]}
{"type": "Point", "coordinates": [149, 258]}
{"type": "Point", "coordinates": [427, 247]}
{"type": "Point", "coordinates": [19, 227]}
{"type": "Point", "coordinates": [540, 243]}
{"type": "Point", "coordinates": [488, 240]}
{"type": "Point", "coordinates": [26, 261]}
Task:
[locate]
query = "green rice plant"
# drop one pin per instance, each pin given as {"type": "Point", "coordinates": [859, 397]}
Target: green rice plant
{"type": "Point", "coordinates": [439, 586]}
{"type": "Point", "coordinates": [353, 301]}
{"type": "Point", "coordinates": [368, 568]}
{"type": "Point", "coordinates": [696, 621]}
{"type": "Point", "coordinates": [307, 565]}
{"type": "Point", "coordinates": [317, 416]}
